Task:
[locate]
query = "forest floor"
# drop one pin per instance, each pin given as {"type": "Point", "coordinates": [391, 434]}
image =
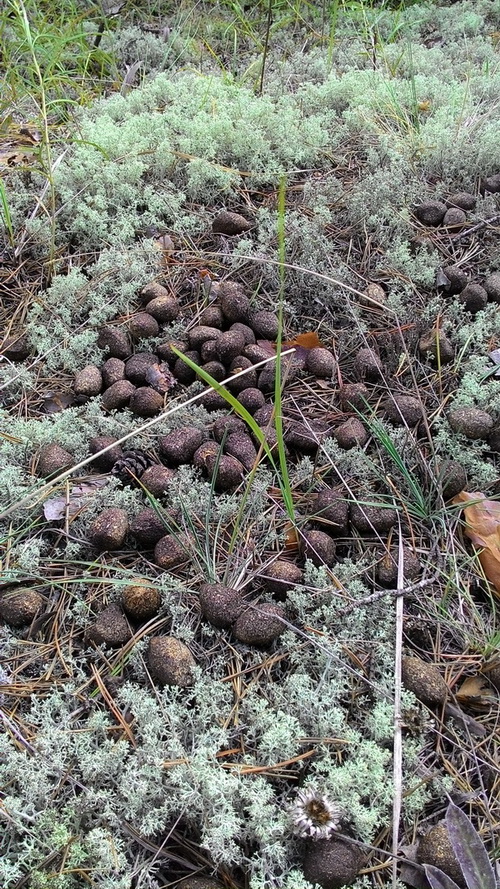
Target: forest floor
{"type": "Point", "coordinates": [248, 632]}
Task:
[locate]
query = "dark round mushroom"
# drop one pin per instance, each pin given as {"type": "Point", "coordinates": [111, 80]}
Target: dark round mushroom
{"type": "Point", "coordinates": [331, 509]}
{"type": "Point", "coordinates": [156, 479]}
{"type": "Point", "coordinates": [88, 381]}
{"type": "Point", "coordinates": [165, 350]}
{"type": "Point", "coordinates": [281, 576]}
{"type": "Point", "coordinates": [114, 341]}
{"type": "Point", "coordinates": [436, 848]}
{"type": "Point", "coordinates": [212, 316]}
{"type": "Point", "coordinates": [228, 223]}
{"type": "Point", "coordinates": [179, 446]}
{"type": "Point", "coordinates": [105, 462]}
{"type": "Point", "coordinates": [453, 478]}
{"type": "Point", "coordinates": [241, 446]}
{"type": "Point", "coordinates": [471, 422]}
{"type": "Point", "coordinates": [462, 199]}
{"type": "Point", "coordinates": [368, 366]}
{"type": "Point", "coordinates": [137, 367]}
{"type": "Point", "coordinates": [229, 345]}
{"type": "Point", "coordinates": [153, 290]}
{"type": "Point", "coordinates": [20, 605]}
{"type": "Point", "coordinates": [220, 604]}
{"type": "Point", "coordinates": [265, 325]}
{"type": "Point", "coordinates": [320, 362]}
{"type": "Point", "coordinates": [112, 371]}
{"type": "Point", "coordinates": [16, 347]}
{"type": "Point", "coordinates": [110, 628]}
{"type": "Point", "coordinates": [492, 287]}
{"type": "Point", "coordinates": [260, 624]}
{"type": "Point", "coordinates": [164, 309]}
{"type": "Point", "coordinates": [226, 472]}
{"type": "Point", "coordinates": [202, 334]}
{"type": "Point", "coordinates": [457, 279]}
{"type": "Point", "coordinates": [148, 527]}
{"type": "Point", "coordinates": [251, 399]}
{"type": "Point", "coordinates": [224, 426]}
{"type": "Point", "coordinates": [435, 344]}
{"type": "Point", "coordinates": [387, 568]}
{"type": "Point", "coordinates": [109, 529]}
{"type": "Point", "coordinates": [170, 661]}
{"type": "Point", "coordinates": [255, 353]}
{"type": "Point", "coordinates": [53, 459]}
{"type": "Point", "coordinates": [213, 401]}
{"type": "Point", "coordinates": [454, 218]}
{"type": "Point", "coordinates": [207, 451]}
{"type": "Point", "coordinates": [404, 410]}
{"type": "Point", "coordinates": [351, 434]}
{"type": "Point", "coordinates": [473, 297]}
{"type": "Point", "coordinates": [146, 402]}
{"type": "Point", "coordinates": [248, 379]}
{"type": "Point", "coordinates": [234, 302]}
{"type": "Point", "coordinates": [143, 326]}
{"type": "Point", "coordinates": [318, 547]}
{"type": "Point", "coordinates": [332, 863]}
{"type": "Point", "coordinates": [118, 395]}
{"type": "Point", "coordinates": [424, 680]}
{"type": "Point", "coordinates": [141, 600]}
{"type": "Point", "coordinates": [430, 212]}
{"type": "Point", "coordinates": [372, 519]}
{"type": "Point", "coordinates": [171, 551]}
{"type": "Point", "coordinates": [245, 330]}
{"type": "Point", "coordinates": [185, 374]}
{"type": "Point", "coordinates": [354, 396]}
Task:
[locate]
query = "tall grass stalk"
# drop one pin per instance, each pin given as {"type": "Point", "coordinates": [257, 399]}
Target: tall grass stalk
{"type": "Point", "coordinates": [30, 41]}
{"type": "Point", "coordinates": [278, 406]}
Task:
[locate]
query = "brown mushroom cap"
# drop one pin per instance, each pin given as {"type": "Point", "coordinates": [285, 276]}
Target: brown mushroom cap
{"type": "Point", "coordinates": [170, 661]}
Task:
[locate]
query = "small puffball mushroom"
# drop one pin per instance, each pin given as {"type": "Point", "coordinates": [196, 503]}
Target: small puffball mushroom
{"type": "Point", "coordinates": [88, 381]}
{"type": "Point", "coordinates": [19, 605]}
{"type": "Point", "coordinates": [424, 680]}
{"type": "Point", "coordinates": [110, 627]}
{"type": "Point", "coordinates": [114, 341]}
{"type": "Point", "coordinates": [143, 326]}
{"type": "Point", "coordinates": [53, 459]}
{"type": "Point", "coordinates": [471, 422]}
{"type": "Point", "coordinates": [179, 446]}
{"type": "Point", "coordinates": [170, 661]}
{"type": "Point", "coordinates": [281, 576]}
{"type": "Point", "coordinates": [109, 529]}
{"type": "Point", "coordinates": [112, 371]}
{"type": "Point", "coordinates": [118, 395]}
{"type": "Point", "coordinates": [234, 302]}
{"type": "Point", "coordinates": [220, 604]}
{"type": "Point", "coordinates": [430, 212]}
{"type": "Point", "coordinates": [171, 551]}
{"type": "Point", "coordinates": [321, 363]}
{"type": "Point", "coordinates": [228, 223]}
{"type": "Point", "coordinates": [146, 402]}
{"type": "Point", "coordinates": [260, 624]}
{"type": "Point", "coordinates": [141, 600]}
{"type": "Point", "coordinates": [318, 547]}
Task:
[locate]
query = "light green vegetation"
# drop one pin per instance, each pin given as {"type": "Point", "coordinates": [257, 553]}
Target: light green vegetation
{"type": "Point", "coordinates": [331, 120]}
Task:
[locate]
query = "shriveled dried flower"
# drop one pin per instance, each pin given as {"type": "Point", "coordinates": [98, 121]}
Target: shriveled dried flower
{"type": "Point", "coordinates": [313, 815]}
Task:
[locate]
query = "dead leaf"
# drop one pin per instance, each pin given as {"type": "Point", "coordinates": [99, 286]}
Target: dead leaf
{"type": "Point", "coordinates": [308, 340]}
{"type": "Point", "coordinates": [57, 401]}
{"type": "Point", "coordinates": [474, 690]}
{"type": "Point", "coordinates": [56, 508]}
{"type": "Point", "coordinates": [482, 526]}
{"type": "Point", "coordinates": [160, 378]}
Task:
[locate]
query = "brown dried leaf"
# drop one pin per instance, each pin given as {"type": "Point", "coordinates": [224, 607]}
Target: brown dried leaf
{"type": "Point", "coordinates": [56, 508]}
{"type": "Point", "coordinates": [482, 526]}
{"type": "Point", "coordinates": [57, 401]}
{"type": "Point", "coordinates": [474, 690]}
